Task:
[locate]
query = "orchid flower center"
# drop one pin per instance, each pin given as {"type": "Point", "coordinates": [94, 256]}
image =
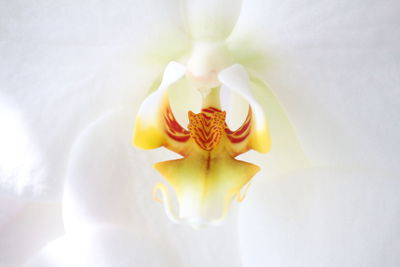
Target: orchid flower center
{"type": "Point", "coordinates": [207, 177]}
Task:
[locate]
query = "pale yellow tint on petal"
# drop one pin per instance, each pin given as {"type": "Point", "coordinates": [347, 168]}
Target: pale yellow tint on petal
{"type": "Point", "coordinates": [261, 140]}
{"type": "Point", "coordinates": [286, 152]}
{"type": "Point", "coordinates": [149, 129]}
{"type": "Point", "coordinates": [147, 136]}
{"type": "Point", "coordinates": [206, 186]}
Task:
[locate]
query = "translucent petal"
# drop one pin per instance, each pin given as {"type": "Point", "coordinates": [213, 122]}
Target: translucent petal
{"type": "Point", "coordinates": [31, 227]}
{"type": "Point", "coordinates": [110, 183]}
{"type": "Point", "coordinates": [62, 65]}
{"type": "Point", "coordinates": [103, 247]}
{"type": "Point", "coordinates": [149, 130]}
{"type": "Point", "coordinates": [322, 217]}
{"type": "Point", "coordinates": [287, 153]}
{"type": "Point", "coordinates": [286, 150]}
{"type": "Point", "coordinates": [9, 207]}
{"type": "Point", "coordinates": [236, 79]}
{"type": "Point", "coordinates": [20, 159]}
{"type": "Point", "coordinates": [335, 69]}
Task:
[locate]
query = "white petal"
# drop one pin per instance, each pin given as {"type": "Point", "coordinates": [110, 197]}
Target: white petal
{"type": "Point", "coordinates": [150, 112]}
{"type": "Point", "coordinates": [9, 207]}
{"type": "Point", "coordinates": [105, 247]}
{"type": "Point", "coordinates": [62, 64]}
{"type": "Point", "coordinates": [335, 68]}
{"type": "Point", "coordinates": [286, 153]}
{"type": "Point", "coordinates": [237, 79]}
{"type": "Point", "coordinates": [211, 20]}
{"type": "Point", "coordinates": [110, 183]}
{"type": "Point", "coordinates": [322, 217]}
{"type": "Point", "coordinates": [24, 234]}
{"type": "Point", "coordinates": [20, 164]}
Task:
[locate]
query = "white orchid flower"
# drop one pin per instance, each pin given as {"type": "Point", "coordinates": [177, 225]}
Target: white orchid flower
{"type": "Point", "coordinates": [73, 76]}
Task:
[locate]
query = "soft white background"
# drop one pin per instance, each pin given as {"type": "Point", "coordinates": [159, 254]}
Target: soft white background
{"type": "Point", "coordinates": [72, 76]}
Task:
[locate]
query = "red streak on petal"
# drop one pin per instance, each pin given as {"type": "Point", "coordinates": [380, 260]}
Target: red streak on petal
{"type": "Point", "coordinates": [243, 132]}
{"type": "Point", "coordinates": [206, 128]}
{"type": "Point", "coordinates": [173, 129]}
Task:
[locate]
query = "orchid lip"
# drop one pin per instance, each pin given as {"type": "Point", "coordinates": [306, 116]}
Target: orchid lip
{"type": "Point", "coordinates": [207, 177]}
